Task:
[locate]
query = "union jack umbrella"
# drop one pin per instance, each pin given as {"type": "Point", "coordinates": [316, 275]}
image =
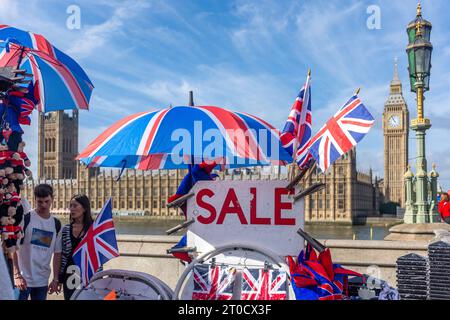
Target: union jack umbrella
{"type": "Point", "coordinates": [341, 133]}
{"type": "Point", "coordinates": [260, 284]}
{"type": "Point", "coordinates": [213, 282]}
{"type": "Point", "coordinates": [296, 134]}
{"type": "Point", "coordinates": [98, 246]}
{"type": "Point", "coordinates": [58, 81]}
{"type": "Point", "coordinates": [175, 137]}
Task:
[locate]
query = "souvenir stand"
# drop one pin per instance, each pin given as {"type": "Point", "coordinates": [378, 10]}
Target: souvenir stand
{"type": "Point", "coordinates": [239, 235]}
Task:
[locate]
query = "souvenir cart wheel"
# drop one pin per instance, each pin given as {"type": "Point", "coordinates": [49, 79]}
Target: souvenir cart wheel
{"type": "Point", "coordinates": [239, 258]}
{"type": "Point", "coordinates": [129, 285]}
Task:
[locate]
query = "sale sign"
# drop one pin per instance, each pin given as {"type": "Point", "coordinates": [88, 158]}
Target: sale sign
{"type": "Point", "coordinates": [256, 213]}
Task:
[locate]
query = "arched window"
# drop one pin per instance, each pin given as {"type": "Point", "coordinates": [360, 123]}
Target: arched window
{"type": "Point", "coordinates": [53, 144]}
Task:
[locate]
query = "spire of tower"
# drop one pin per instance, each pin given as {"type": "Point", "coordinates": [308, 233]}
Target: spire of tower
{"type": "Point", "coordinates": [396, 78]}
{"type": "Point", "coordinates": [396, 84]}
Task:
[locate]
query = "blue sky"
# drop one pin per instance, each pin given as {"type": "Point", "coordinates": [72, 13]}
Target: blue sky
{"type": "Point", "coordinates": [245, 55]}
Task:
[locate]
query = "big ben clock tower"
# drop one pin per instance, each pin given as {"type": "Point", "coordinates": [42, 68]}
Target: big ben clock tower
{"type": "Point", "coordinates": [395, 129]}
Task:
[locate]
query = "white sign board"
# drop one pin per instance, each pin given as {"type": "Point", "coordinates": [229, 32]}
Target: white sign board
{"type": "Point", "coordinates": [256, 213]}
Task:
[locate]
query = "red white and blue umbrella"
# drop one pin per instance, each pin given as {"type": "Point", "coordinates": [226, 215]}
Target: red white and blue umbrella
{"type": "Point", "coordinates": [173, 138]}
{"type": "Point", "coordinates": [59, 81]}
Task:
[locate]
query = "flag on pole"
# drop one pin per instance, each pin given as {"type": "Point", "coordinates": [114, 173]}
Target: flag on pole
{"type": "Point", "coordinates": [341, 133]}
{"type": "Point", "coordinates": [98, 246]}
{"type": "Point", "coordinates": [296, 134]}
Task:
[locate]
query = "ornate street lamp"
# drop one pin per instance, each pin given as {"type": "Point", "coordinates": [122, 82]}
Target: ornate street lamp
{"type": "Point", "coordinates": [419, 51]}
{"type": "Point", "coordinates": [421, 190]}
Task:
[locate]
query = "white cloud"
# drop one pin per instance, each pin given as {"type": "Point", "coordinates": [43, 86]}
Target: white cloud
{"type": "Point", "coordinates": [94, 37]}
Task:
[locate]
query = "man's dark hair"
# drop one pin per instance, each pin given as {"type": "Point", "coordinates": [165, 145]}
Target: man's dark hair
{"type": "Point", "coordinates": [43, 191]}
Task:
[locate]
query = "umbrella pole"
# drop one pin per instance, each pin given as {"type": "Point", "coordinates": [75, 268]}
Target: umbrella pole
{"type": "Point", "coordinates": [19, 62]}
{"type": "Point", "coordinates": [42, 144]}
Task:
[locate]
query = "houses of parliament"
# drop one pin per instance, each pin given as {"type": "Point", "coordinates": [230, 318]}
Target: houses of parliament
{"type": "Point", "coordinates": [349, 195]}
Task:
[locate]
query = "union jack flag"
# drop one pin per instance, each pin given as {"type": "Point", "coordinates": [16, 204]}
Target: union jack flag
{"type": "Point", "coordinates": [260, 284]}
{"type": "Point", "coordinates": [98, 246]}
{"type": "Point", "coordinates": [296, 134]}
{"type": "Point", "coordinates": [213, 282]}
{"type": "Point", "coordinates": [341, 133]}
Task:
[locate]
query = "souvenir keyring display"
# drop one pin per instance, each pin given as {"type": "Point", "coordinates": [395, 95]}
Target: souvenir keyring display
{"type": "Point", "coordinates": [235, 272]}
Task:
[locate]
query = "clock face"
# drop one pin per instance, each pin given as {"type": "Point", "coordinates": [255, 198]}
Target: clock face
{"type": "Point", "coordinates": [394, 121]}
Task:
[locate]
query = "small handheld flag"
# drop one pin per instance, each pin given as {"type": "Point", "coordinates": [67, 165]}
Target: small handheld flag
{"type": "Point", "coordinates": [98, 246]}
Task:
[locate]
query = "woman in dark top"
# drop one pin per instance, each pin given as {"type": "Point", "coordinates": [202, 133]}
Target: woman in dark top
{"type": "Point", "coordinates": [72, 234]}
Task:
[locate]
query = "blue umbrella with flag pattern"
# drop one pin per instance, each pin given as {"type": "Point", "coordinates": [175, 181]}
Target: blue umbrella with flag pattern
{"type": "Point", "coordinates": [58, 81]}
{"type": "Point", "coordinates": [176, 137]}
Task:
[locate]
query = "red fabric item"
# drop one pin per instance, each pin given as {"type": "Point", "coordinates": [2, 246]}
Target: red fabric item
{"type": "Point", "coordinates": [15, 162]}
{"type": "Point", "coordinates": [208, 167]}
{"type": "Point", "coordinates": [11, 231]}
{"type": "Point", "coordinates": [174, 197]}
{"type": "Point", "coordinates": [303, 278]}
{"type": "Point", "coordinates": [326, 262]}
{"type": "Point", "coordinates": [25, 121]}
{"type": "Point", "coordinates": [183, 256]}
{"type": "Point", "coordinates": [6, 133]}
{"type": "Point", "coordinates": [16, 94]}
{"type": "Point", "coordinates": [444, 209]}
{"type": "Point", "coordinates": [347, 272]}
{"type": "Point", "coordinates": [4, 156]}
{"type": "Point", "coordinates": [23, 156]}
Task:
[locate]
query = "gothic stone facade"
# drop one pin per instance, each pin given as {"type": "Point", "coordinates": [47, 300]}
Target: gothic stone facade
{"type": "Point", "coordinates": [58, 145]}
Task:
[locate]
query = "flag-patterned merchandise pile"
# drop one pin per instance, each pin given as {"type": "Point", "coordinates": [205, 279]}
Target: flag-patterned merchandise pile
{"type": "Point", "coordinates": [15, 110]}
{"type": "Point", "coordinates": [213, 282]}
{"type": "Point", "coordinates": [263, 284]}
{"type": "Point", "coordinates": [296, 134]}
{"type": "Point", "coordinates": [98, 246]}
{"type": "Point", "coordinates": [412, 277]}
{"type": "Point", "coordinates": [439, 260]}
{"type": "Point", "coordinates": [218, 283]}
{"type": "Point", "coordinates": [317, 278]}
{"type": "Point", "coordinates": [341, 133]}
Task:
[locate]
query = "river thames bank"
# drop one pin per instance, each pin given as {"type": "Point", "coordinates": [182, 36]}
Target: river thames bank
{"type": "Point", "coordinates": [374, 229]}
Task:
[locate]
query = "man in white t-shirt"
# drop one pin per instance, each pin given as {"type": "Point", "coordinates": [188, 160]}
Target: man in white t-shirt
{"type": "Point", "coordinates": [42, 240]}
